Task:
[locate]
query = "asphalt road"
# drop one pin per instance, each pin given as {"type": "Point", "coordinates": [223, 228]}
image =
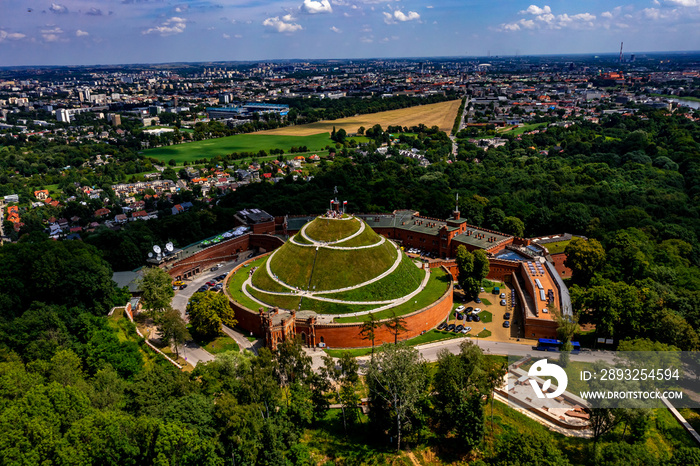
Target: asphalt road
{"type": "Point", "coordinates": [191, 351]}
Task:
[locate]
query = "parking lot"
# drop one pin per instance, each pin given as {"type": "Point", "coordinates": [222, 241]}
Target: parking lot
{"type": "Point", "coordinates": [490, 304]}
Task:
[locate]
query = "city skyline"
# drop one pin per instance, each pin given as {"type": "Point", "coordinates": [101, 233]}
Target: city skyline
{"type": "Point", "coordinates": [87, 32]}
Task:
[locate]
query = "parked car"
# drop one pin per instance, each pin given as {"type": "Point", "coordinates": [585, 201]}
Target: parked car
{"type": "Point", "coordinates": [477, 310]}
{"type": "Point", "coordinates": [477, 300]}
{"type": "Point", "coordinates": [503, 296]}
{"type": "Point", "coordinates": [182, 287]}
{"type": "Point", "coordinates": [219, 287]}
{"type": "Point", "coordinates": [442, 325]}
{"type": "Point", "coordinates": [503, 302]}
{"type": "Point", "coordinates": [506, 324]}
{"type": "Point", "coordinates": [451, 327]}
{"type": "Point", "coordinates": [459, 308]}
{"type": "Point", "coordinates": [216, 267]}
{"type": "Point", "coordinates": [470, 318]}
{"type": "Point", "coordinates": [466, 329]}
{"type": "Point", "coordinates": [482, 289]}
{"type": "Point", "coordinates": [506, 316]}
{"type": "Point", "coordinates": [470, 309]}
{"type": "Point", "coordinates": [459, 328]}
{"type": "Point", "coordinates": [459, 316]}
{"type": "Point", "coordinates": [476, 318]}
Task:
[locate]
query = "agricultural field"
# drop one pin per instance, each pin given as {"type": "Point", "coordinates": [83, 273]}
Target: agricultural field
{"type": "Point", "coordinates": [442, 114]}
{"type": "Point", "coordinates": [238, 143]}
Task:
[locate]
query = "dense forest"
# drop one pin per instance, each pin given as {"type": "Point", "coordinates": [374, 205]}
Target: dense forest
{"type": "Point", "coordinates": [75, 390]}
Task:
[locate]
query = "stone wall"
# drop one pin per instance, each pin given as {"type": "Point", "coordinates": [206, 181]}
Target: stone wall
{"type": "Point", "coordinates": [348, 335]}
{"type": "Point", "coordinates": [562, 270]}
{"type": "Point", "coordinates": [223, 252]}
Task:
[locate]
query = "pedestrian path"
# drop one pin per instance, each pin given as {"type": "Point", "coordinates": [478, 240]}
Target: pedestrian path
{"type": "Point", "coordinates": [274, 277]}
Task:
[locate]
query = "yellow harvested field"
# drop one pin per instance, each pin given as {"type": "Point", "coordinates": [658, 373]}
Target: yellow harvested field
{"type": "Point", "coordinates": [442, 114]}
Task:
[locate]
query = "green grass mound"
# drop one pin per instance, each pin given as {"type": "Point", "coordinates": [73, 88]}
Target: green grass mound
{"type": "Point", "coordinates": [438, 284]}
{"type": "Point", "coordinates": [402, 281]}
{"type": "Point", "coordinates": [330, 269]}
{"type": "Point", "coordinates": [329, 229]}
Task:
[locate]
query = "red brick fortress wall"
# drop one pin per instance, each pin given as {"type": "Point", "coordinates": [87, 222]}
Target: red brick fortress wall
{"type": "Point", "coordinates": [348, 335]}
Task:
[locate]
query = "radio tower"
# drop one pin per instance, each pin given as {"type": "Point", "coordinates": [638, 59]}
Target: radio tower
{"type": "Point", "coordinates": [621, 51]}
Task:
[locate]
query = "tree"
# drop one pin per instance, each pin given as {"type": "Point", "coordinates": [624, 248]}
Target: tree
{"type": "Point", "coordinates": [173, 328]}
{"type": "Point", "coordinates": [367, 330]}
{"type": "Point", "coordinates": [396, 324]}
{"type": "Point", "coordinates": [584, 258]}
{"type": "Point", "coordinates": [361, 130]}
{"type": "Point", "coordinates": [343, 379]}
{"type": "Point", "coordinates": [513, 226]}
{"type": "Point", "coordinates": [460, 383]}
{"type": "Point", "coordinates": [208, 311]}
{"type": "Point", "coordinates": [472, 269]}
{"type": "Point", "coordinates": [157, 289]}
{"type": "Point", "coordinates": [397, 381]}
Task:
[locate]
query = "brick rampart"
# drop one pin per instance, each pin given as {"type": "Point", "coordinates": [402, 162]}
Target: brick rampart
{"type": "Point", "coordinates": [562, 270]}
{"type": "Point", "coordinates": [348, 335]}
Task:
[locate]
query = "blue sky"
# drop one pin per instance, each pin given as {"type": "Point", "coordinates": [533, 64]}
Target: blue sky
{"type": "Point", "coordinates": [84, 32]}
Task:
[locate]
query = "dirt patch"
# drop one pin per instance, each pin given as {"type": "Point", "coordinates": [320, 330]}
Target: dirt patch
{"type": "Point", "coordinates": [441, 115]}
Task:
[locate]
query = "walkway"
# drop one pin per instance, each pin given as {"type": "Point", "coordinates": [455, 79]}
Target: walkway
{"type": "Point", "coordinates": [397, 262]}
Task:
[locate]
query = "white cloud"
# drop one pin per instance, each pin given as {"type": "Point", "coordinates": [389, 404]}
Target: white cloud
{"type": "Point", "coordinates": [4, 35]}
{"type": "Point", "coordinates": [284, 25]}
{"type": "Point", "coordinates": [94, 12]}
{"type": "Point", "coordinates": [80, 33]}
{"type": "Point", "coordinates": [535, 10]}
{"type": "Point", "coordinates": [335, 29]}
{"type": "Point", "coordinates": [388, 19]}
{"type": "Point", "coordinates": [543, 18]}
{"type": "Point", "coordinates": [313, 7]}
{"type": "Point", "coordinates": [684, 2]}
{"type": "Point", "coordinates": [52, 35]}
{"type": "Point", "coordinates": [606, 14]}
{"type": "Point", "coordinates": [174, 25]}
{"type": "Point", "coordinates": [412, 15]}
{"type": "Point", "coordinates": [58, 9]}
{"type": "Point", "coordinates": [225, 36]}
{"type": "Point", "coordinates": [366, 40]}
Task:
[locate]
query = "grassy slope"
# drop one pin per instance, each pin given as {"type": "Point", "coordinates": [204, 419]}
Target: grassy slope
{"type": "Point", "coordinates": [332, 230]}
{"type": "Point", "coordinates": [338, 269]}
{"type": "Point", "coordinates": [235, 284]}
{"type": "Point", "coordinates": [292, 264]}
{"type": "Point", "coordinates": [365, 238]}
{"type": "Point", "coordinates": [558, 247]}
{"type": "Point", "coordinates": [401, 282]}
{"type": "Point", "coordinates": [437, 285]}
{"type": "Point", "coordinates": [237, 143]}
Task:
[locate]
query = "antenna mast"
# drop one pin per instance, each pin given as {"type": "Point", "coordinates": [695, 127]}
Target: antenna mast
{"type": "Point", "coordinates": [621, 43]}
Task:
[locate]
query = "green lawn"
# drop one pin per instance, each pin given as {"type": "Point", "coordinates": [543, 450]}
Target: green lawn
{"type": "Point", "coordinates": [430, 336]}
{"type": "Point", "coordinates": [332, 230]}
{"type": "Point", "coordinates": [235, 284]}
{"type": "Point", "coordinates": [523, 129]}
{"type": "Point", "coordinates": [558, 247]}
{"type": "Point", "coordinates": [220, 344]}
{"type": "Point", "coordinates": [402, 281]}
{"type": "Point", "coordinates": [238, 143]}
{"type": "Point", "coordinates": [365, 238]}
{"type": "Point", "coordinates": [485, 316]}
{"type": "Point", "coordinates": [437, 286]}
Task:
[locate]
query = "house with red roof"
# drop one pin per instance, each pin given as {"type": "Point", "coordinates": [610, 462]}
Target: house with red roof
{"type": "Point", "coordinates": [42, 194]}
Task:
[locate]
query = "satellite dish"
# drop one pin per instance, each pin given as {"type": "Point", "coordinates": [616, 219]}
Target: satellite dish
{"type": "Point", "coordinates": [156, 249]}
{"type": "Point", "coordinates": [150, 254]}
{"type": "Point", "coordinates": [169, 247]}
